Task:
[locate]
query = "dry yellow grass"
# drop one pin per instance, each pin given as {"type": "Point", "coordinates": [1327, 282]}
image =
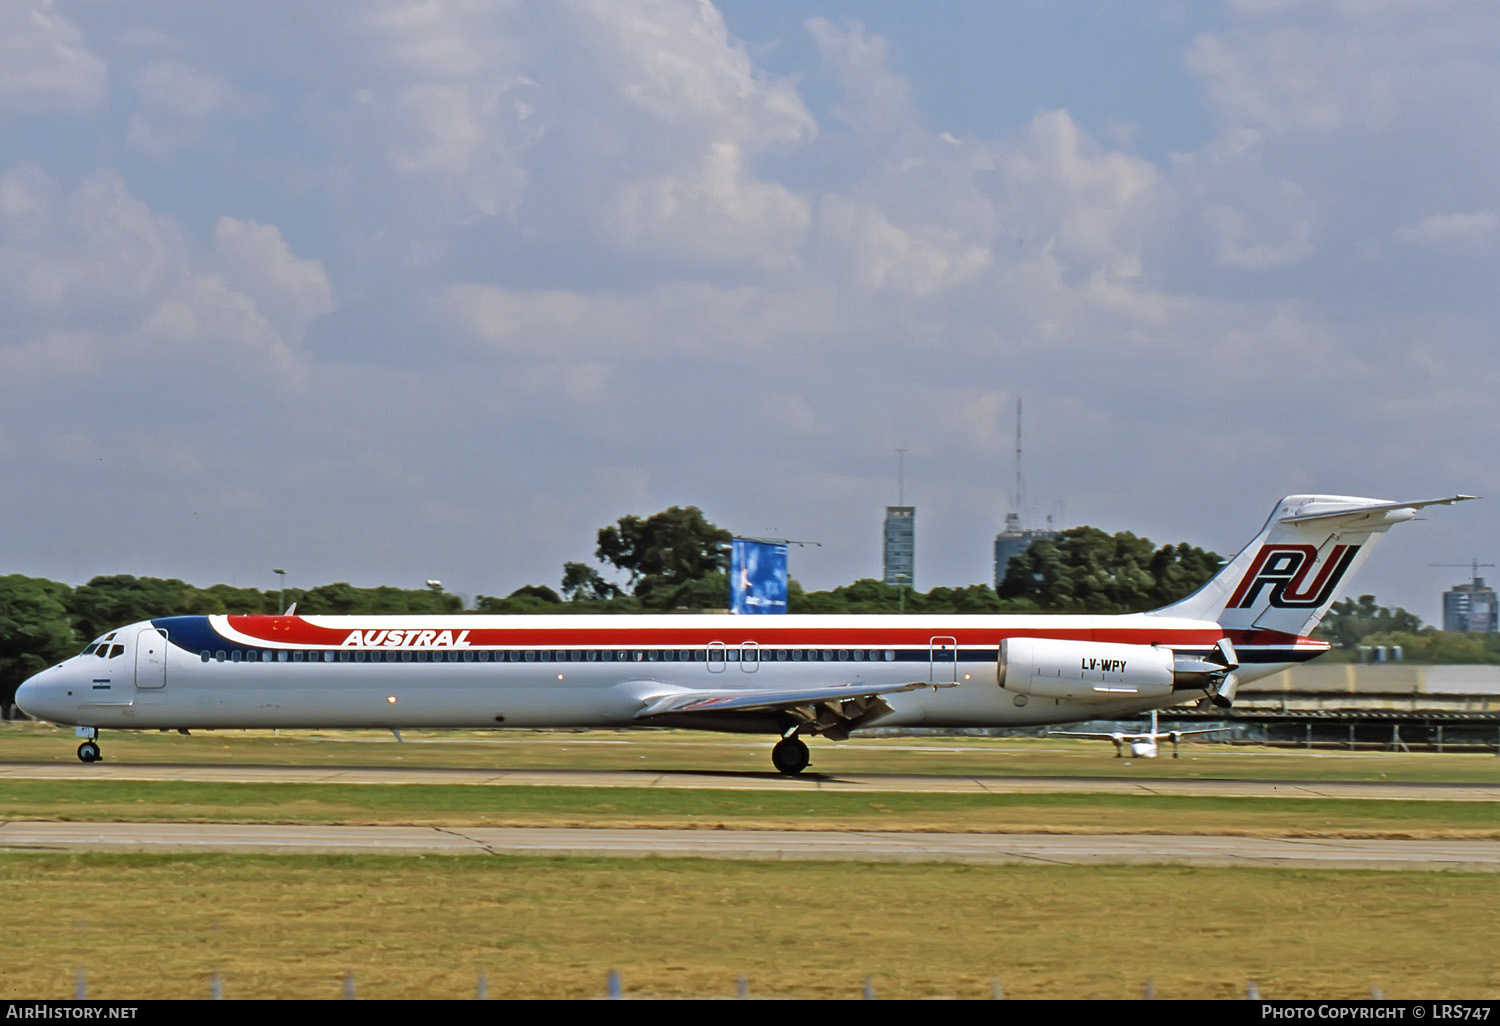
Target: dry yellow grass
{"type": "Point", "coordinates": [159, 927]}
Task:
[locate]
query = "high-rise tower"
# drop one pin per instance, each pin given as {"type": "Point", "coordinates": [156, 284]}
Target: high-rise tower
{"type": "Point", "coordinates": [1015, 539]}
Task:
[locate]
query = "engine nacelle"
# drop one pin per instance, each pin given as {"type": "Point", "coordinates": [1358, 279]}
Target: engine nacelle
{"type": "Point", "coordinates": [1084, 669]}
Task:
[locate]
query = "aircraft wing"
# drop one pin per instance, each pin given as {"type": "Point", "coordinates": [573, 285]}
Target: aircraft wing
{"type": "Point", "coordinates": [1107, 737]}
{"type": "Point", "coordinates": [739, 699]}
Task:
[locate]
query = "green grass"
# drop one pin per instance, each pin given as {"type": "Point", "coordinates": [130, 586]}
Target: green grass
{"type": "Point", "coordinates": [158, 926]}
{"type": "Point", "coordinates": [468, 804]}
{"type": "Point", "coordinates": [150, 926]}
{"type": "Point", "coordinates": [687, 751]}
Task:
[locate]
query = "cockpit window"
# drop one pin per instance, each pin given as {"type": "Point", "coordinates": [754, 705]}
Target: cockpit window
{"type": "Point", "coordinates": [116, 650]}
{"type": "Point", "coordinates": [102, 651]}
{"type": "Point", "coordinates": [90, 649]}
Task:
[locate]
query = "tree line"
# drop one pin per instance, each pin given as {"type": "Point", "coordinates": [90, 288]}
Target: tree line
{"type": "Point", "coordinates": [678, 560]}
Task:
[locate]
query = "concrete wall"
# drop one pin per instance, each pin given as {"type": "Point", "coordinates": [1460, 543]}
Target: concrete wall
{"type": "Point", "coordinates": [1383, 678]}
{"type": "Point", "coordinates": [1407, 686]}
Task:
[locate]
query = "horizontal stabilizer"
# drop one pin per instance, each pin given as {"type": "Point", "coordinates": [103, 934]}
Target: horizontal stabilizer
{"type": "Point", "coordinates": [1358, 508]}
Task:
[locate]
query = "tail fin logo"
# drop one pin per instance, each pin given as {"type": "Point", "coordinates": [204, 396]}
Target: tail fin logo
{"type": "Point", "coordinates": [1285, 570]}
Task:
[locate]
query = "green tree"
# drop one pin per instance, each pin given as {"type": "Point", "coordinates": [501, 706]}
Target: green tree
{"type": "Point", "coordinates": [346, 599]}
{"type": "Point", "coordinates": [708, 592]}
{"type": "Point", "coordinates": [530, 598]}
{"type": "Point", "coordinates": [109, 602]}
{"type": "Point", "coordinates": [221, 598]}
{"type": "Point", "coordinates": [1178, 571]}
{"type": "Point", "coordinates": [866, 595]}
{"type": "Point", "coordinates": [582, 582]}
{"type": "Point", "coordinates": [664, 551]}
{"type": "Point", "coordinates": [1085, 570]}
{"type": "Point", "coordinates": [1351, 621]}
{"type": "Point", "coordinates": [36, 630]}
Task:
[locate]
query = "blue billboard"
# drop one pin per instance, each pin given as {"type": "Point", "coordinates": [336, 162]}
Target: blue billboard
{"type": "Point", "coordinates": [757, 577]}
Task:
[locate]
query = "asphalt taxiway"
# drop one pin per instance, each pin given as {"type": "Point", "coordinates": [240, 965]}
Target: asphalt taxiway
{"type": "Point", "coordinates": [1045, 849]}
{"type": "Point", "coordinates": [846, 782]}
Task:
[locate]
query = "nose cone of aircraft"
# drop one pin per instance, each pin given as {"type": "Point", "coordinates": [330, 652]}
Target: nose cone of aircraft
{"type": "Point", "coordinates": [36, 697]}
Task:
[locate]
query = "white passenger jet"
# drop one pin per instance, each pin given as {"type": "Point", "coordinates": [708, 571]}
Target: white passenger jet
{"type": "Point", "coordinates": [1142, 746]}
{"type": "Point", "coordinates": [791, 676]}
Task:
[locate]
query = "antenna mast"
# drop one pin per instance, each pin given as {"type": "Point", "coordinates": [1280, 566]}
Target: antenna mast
{"type": "Point", "coordinates": [901, 477]}
{"type": "Point", "coordinates": [1018, 456]}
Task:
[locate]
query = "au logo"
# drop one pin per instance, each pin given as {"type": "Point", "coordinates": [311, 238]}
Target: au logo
{"type": "Point", "coordinates": [1285, 570]}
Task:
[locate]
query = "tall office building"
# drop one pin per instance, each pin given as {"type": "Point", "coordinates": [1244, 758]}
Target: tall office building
{"type": "Point", "coordinates": [1471, 607]}
{"type": "Point", "coordinates": [1013, 541]}
{"type": "Point", "coordinates": [900, 545]}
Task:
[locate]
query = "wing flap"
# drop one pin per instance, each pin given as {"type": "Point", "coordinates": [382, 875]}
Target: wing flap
{"type": "Point", "coordinates": [703, 701]}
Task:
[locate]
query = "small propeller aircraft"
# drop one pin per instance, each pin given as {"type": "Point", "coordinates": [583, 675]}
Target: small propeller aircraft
{"type": "Point", "coordinates": [1142, 746]}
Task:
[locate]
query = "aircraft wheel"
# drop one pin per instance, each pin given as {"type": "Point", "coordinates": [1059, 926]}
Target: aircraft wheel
{"type": "Point", "coordinates": [790, 756]}
{"type": "Point", "coordinates": [89, 752]}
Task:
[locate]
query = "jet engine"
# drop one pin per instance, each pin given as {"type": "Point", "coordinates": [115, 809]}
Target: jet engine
{"type": "Point", "coordinates": [1084, 669]}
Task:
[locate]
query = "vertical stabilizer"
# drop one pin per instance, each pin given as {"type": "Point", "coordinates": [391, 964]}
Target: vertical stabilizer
{"type": "Point", "coordinates": [1286, 578]}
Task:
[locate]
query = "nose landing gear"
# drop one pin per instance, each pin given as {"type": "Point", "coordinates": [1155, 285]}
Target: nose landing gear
{"type": "Point", "coordinates": [89, 750]}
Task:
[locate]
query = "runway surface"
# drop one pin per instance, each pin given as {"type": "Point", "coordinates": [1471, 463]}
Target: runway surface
{"type": "Point", "coordinates": [1325, 853]}
{"type": "Point", "coordinates": [851, 782]}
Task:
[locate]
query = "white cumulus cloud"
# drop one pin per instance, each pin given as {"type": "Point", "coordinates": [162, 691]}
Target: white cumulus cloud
{"type": "Point", "coordinates": [45, 66]}
{"type": "Point", "coordinates": [1462, 234]}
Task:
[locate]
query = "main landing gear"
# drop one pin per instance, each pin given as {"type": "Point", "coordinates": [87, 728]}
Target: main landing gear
{"type": "Point", "coordinates": [790, 756]}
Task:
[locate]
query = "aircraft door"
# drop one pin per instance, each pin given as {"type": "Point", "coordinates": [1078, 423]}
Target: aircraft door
{"type": "Point", "coordinates": [151, 658]}
{"type": "Point", "coordinates": [942, 660]}
{"type": "Point", "coordinates": [749, 657]}
{"type": "Point", "coordinates": [716, 651]}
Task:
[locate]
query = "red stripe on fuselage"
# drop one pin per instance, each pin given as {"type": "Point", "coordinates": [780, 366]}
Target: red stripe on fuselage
{"type": "Point", "coordinates": [292, 631]}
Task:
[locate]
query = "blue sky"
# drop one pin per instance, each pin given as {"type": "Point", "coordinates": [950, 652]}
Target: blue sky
{"type": "Point", "coordinates": [388, 292]}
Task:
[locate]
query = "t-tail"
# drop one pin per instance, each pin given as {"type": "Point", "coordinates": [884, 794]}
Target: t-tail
{"type": "Point", "coordinates": [1272, 595]}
